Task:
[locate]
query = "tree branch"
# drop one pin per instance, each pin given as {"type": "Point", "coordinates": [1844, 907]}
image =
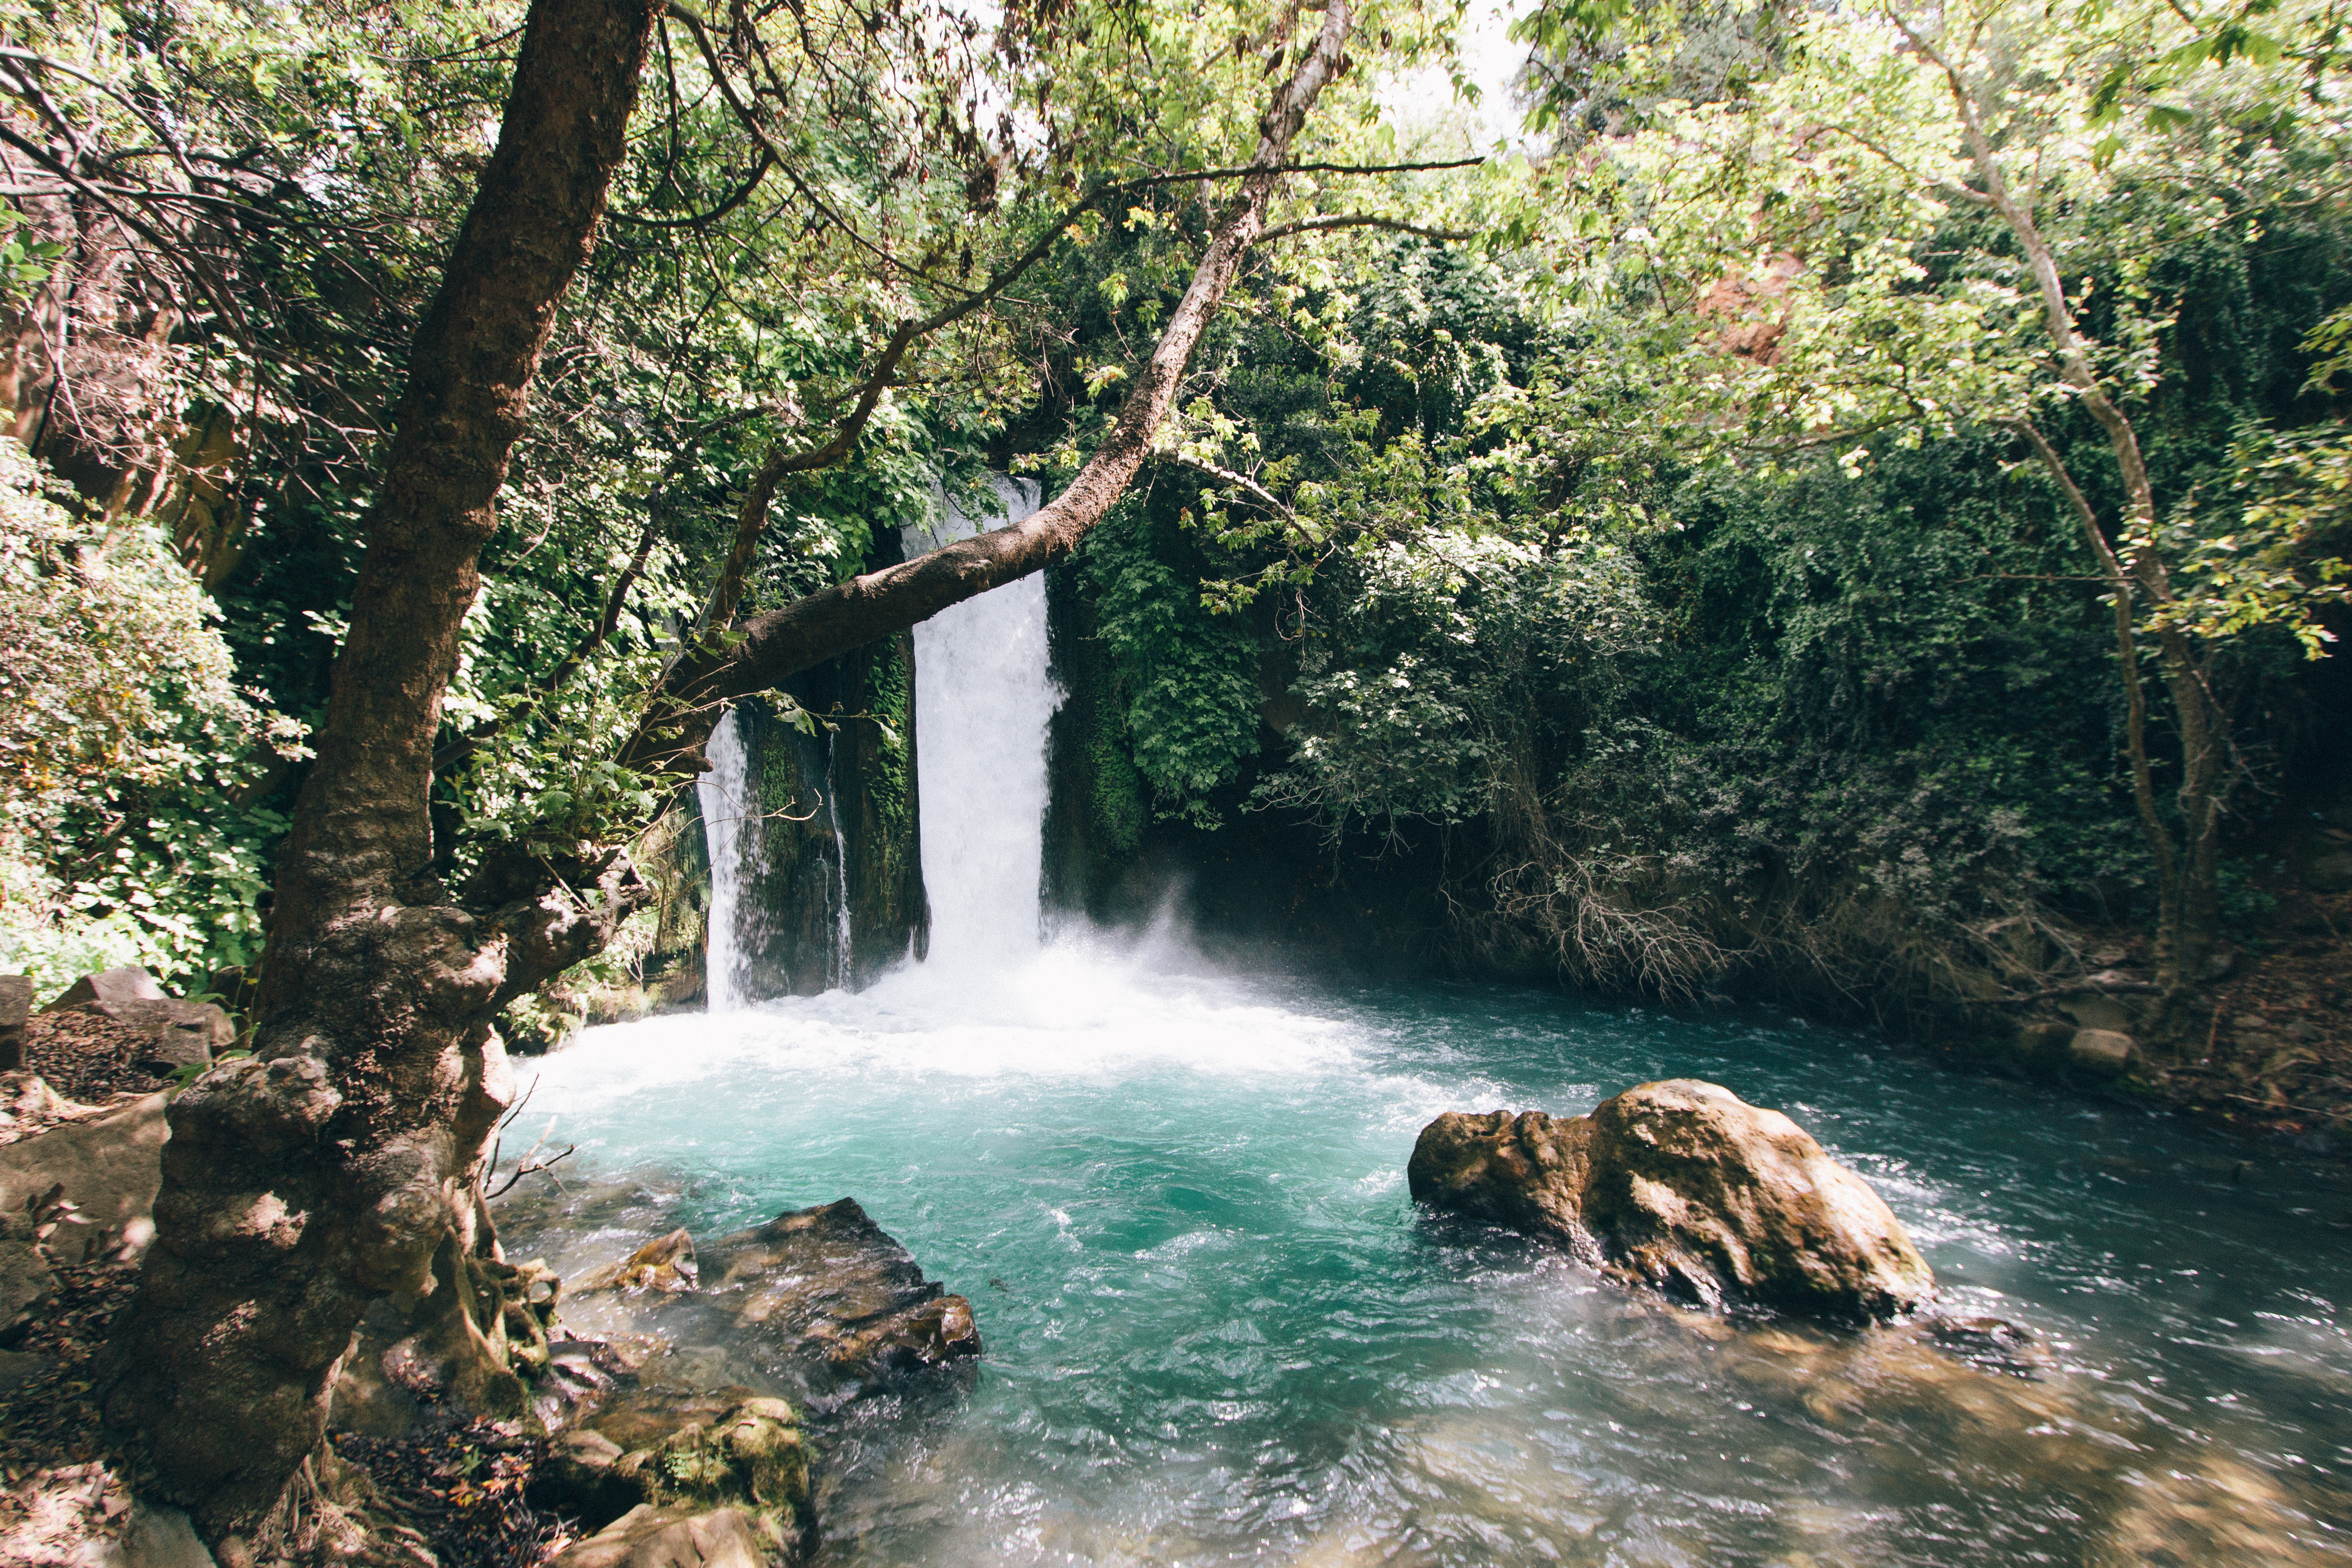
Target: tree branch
{"type": "Point", "coordinates": [1321, 224]}
{"type": "Point", "coordinates": [821, 626]}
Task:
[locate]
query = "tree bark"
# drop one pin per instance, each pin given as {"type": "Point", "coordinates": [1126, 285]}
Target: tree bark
{"type": "Point", "coordinates": [334, 1167]}
{"type": "Point", "coordinates": [2187, 876]}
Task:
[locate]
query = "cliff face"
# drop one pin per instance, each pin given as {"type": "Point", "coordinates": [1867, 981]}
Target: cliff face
{"type": "Point", "coordinates": [837, 822]}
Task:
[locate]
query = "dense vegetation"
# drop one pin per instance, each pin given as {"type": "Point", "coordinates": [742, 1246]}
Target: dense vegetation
{"type": "Point", "coordinates": [1670, 545]}
{"type": "Point", "coordinates": [1849, 502]}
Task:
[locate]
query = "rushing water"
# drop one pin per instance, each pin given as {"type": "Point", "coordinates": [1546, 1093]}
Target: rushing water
{"type": "Point", "coordinates": [731, 832]}
{"type": "Point", "coordinates": [982, 698]}
{"type": "Point", "coordinates": [1218, 1332]}
{"type": "Point", "coordinates": [1217, 1329]}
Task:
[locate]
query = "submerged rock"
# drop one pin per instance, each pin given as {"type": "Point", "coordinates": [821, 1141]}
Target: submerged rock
{"type": "Point", "coordinates": [830, 1277]}
{"type": "Point", "coordinates": [666, 1263]}
{"type": "Point", "coordinates": [822, 1303]}
{"type": "Point", "coordinates": [648, 1537]}
{"type": "Point", "coordinates": [1684, 1187]}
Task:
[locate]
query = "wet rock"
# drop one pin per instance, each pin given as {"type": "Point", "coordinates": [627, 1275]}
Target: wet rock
{"type": "Point", "coordinates": [108, 1165]}
{"type": "Point", "coordinates": [666, 1263]}
{"type": "Point", "coordinates": [648, 1537]}
{"type": "Point", "coordinates": [1994, 1343]}
{"type": "Point", "coordinates": [933, 1334]}
{"type": "Point", "coordinates": [2101, 1053]}
{"type": "Point", "coordinates": [15, 1006]}
{"type": "Point", "coordinates": [831, 1278]}
{"type": "Point", "coordinates": [1683, 1187]}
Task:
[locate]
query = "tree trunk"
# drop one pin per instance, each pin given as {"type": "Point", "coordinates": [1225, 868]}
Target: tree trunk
{"type": "Point", "coordinates": [341, 1163]}
{"type": "Point", "coordinates": [333, 1167]}
{"type": "Point", "coordinates": [2189, 873]}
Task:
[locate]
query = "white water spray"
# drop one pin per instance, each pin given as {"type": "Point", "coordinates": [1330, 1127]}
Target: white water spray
{"type": "Point", "coordinates": [725, 793]}
{"type": "Point", "coordinates": [982, 698]}
{"type": "Point", "coordinates": [843, 969]}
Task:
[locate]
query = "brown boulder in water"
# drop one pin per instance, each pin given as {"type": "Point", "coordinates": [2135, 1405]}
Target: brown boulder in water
{"type": "Point", "coordinates": [1684, 1187]}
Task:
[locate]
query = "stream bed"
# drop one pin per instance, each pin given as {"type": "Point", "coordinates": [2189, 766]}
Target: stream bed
{"type": "Point", "coordinates": [1218, 1330]}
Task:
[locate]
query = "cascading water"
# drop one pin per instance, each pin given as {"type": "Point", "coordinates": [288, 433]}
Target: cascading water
{"type": "Point", "coordinates": [984, 699]}
{"type": "Point", "coordinates": [1218, 1330]}
{"type": "Point", "coordinates": [725, 796]}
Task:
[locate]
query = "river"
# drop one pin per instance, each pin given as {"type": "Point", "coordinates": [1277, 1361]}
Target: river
{"type": "Point", "coordinates": [1218, 1330]}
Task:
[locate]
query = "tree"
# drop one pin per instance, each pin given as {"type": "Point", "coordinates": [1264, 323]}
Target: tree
{"type": "Point", "coordinates": [342, 1162]}
{"type": "Point", "coordinates": [1898, 224]}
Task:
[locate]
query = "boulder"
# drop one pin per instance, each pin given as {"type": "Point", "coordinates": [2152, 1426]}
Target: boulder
{"type": "Point", "coordinates": [108, 987]}
{"type": "Point", "coordinates": [821, 1303]}
{"type": "Point", "coordinates": [172, 1034]}
{"type": "Point", "coordinates": [2101, 1053]}
{"type": "Point", "coordinates": [2041, 1047]}
{"type": "Point", "coordinates": [15, 1006]}
{"type": "Point", "coordinates": [648, 1537]}
{"type": "Point", "coordinates": [831, 1278]}
{"type": "Point", "coordinates": [109, 1166]}
{"type": "Point", "coordinates": [1683, 1187]}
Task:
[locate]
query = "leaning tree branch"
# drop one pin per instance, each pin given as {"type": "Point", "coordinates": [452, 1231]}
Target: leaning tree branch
{"type": "Point", "coordinates": [822, 626]}
{"type": "Point", "coordinates": [1240, 481]}
{"type": "Point", "coordinates": [1362, 220]}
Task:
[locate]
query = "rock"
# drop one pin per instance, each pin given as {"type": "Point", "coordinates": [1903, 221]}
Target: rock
{"type": "Point", "coordinates": [15, 1006]}
{"type": "Point", "coordinates": [174, 1034]}
{"type": "Point", "coordinates": [576, 1479]}
{"type": "Point", "coordinates": [667, 1263]}
{"type": "Point", "coordinates": [932, 1334]}
{"type": "Point", "coordinates": [25, 1275]}
{"type": "Point", "coordinates": [648, 1537]}
{"type": "Point", "coordinates": [684, 1454]}
{"type": "Point", "coordinates": [156, 1535]}
{"type": "Point", "coordinates": [1684, 1187]}
{"type": "Point", "coordinates": [2103, 1053]}
{"type": "Point", "coordinates": [751, 1455]}
{"type": "Point", "coordinates": [109, 1166]}
{"type": "Point", "coordinates": [830, 1276]}
{"type": "Point", "coordinates": [2096, 1010]}
{"type": "Point", "coordinates": [28, 1105]}
{"type": "Point", "coordinates": [19, 1366]}
{"type": "Point", "coordinates": [107, 987]}
{"type": "Point", "coordinates": [2041, 1047]}
{"type": "Point", "coordinates": [820, 1303]}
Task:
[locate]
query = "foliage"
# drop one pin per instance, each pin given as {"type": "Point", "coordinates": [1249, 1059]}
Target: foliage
{"type": "Point", "coordinates": [126, 746]}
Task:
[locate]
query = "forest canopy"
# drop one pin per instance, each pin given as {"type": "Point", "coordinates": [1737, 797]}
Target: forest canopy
{"type": "Point", "coordinates": [1649, 491]}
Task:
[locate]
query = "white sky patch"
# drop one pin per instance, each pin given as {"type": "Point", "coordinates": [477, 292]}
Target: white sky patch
{"type": "Point", "coordinates": [1422, 104]}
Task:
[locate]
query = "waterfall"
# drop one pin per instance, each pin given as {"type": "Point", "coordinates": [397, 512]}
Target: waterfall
{"type": "Point", "coordinates": [725, 796]}
{"type": "Point", "coordinates": [982, 698]}
{"type": "Point", "coordinates": [843, 969]}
